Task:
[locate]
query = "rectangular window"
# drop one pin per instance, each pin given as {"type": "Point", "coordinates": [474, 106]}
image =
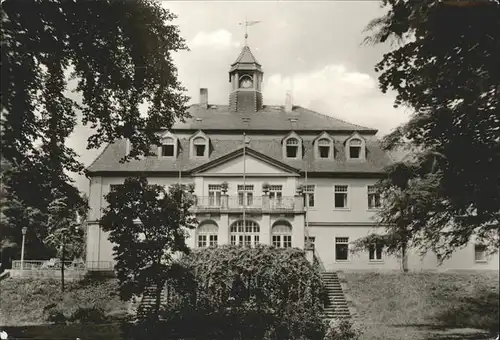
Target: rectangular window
{"type": "Point", "coordinates": [480, 253]}
{"type": "Point", "coordinates": [340, 196]}
{"type": "Point", "coordinates": [375, 252]}
{"type": "Point", "coordinates": [277, 241]}
{"type": "Point", "coordinates": [291, 151]}
{"type": "Point", "coordinates": [309, 241]}
{"type": "Point", "coordinates": [233, 240]}
{"type": "Point", "coordinates": [212, 240]}
{"type": "Point", "coordinates": [214, 195]}
{"type": "Point", "coordinates": [324, 151]}
{"type": "Point", "coordinates": [200, 150]}
{"type": "Point", "coordinates": [167, 150]}
{"type": "Point", "coordinates": [354, 151]}
{"type": "Point", "coordinates": [245, 191]}
{"type": "Point", "coordinates": [373, 198]}
{"type": "Point", "coordinates": [309, 196]}
{"type": "Point", "coordinates": [287, 241]}
{"type": "Point", "coordinates": [255, 240]}
{"type": "Point", "coordinates": [341, 248]}
{"type": "Point", "coordinates": [276, 196]}
{"type": "Point", "coordinates": [202, 241]}
{"type": "Point", "coordinates": [248, 240]}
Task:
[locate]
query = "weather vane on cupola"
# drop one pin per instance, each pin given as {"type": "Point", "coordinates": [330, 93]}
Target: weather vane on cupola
{"type": "Point", "coordinates": [247, 23]}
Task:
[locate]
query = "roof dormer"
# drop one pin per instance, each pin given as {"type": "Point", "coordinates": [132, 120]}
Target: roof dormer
{"type": "Point", "coordinates": [324, 147]}
{"type": "Point", "coordinates": [292, 146]}
{"type": "Point", "coordinates": [199, 144]}
{"type": "Point", "coordinates": [355, 147]}
{"type": "Point", "coordinates": [169, 145]}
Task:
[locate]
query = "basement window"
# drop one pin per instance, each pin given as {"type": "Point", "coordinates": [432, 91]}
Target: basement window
{"type": "Point", "coordinates": [480, 253]}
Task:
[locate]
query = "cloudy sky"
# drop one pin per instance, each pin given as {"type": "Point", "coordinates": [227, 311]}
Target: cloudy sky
{"type": "Point", "coordinates": [312, 48]}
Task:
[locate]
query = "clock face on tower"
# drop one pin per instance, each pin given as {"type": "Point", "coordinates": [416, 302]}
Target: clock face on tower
{"type": "Point", "coordinates": [246, 83]}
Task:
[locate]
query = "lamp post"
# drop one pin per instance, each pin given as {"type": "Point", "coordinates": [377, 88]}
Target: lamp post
{"type": "Point", "coordinates": [23, 230]}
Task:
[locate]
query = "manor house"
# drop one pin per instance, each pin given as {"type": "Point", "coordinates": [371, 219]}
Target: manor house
{"type": "Point", "coordinates": [280, 175]}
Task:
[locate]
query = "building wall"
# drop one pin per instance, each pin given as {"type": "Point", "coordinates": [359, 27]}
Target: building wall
{"type": "Point", "coordinates": [357, 200]}
{"type": "Point", "coordinates": [462, 259]}
{"type": "Point", "coordinates": [325, 222]}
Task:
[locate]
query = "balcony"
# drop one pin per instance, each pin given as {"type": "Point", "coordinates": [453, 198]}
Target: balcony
{"type": "Point", "coordinates": [252, 204]}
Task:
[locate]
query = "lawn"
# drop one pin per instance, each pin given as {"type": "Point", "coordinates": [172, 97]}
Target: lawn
{"type": "Point", "coordinates": [22, 302]}
{"type": "Point", "coordinates": [424, 306]}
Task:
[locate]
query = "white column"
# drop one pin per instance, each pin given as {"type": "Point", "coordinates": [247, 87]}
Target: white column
{"type": "Point", "coordinates": [223, 229]}
{"type": "Point", "coordinates": [265, 230]}
{"type": "Point", "coordinates": [298, 232]}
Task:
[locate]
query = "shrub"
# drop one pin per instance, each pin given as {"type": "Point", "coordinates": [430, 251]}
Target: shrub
{"type": "Point", "coordinates": [56, 316]}
{"type": "Point", "coordinates": [88, 315]}
{"type": "Point", "coordinates": [342, 330]}
{"type": "Point", "coordinates": [259, 293]}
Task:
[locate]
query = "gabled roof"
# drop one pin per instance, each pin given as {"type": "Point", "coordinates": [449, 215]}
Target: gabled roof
{"type": "Point", "coordinates": [355, 134]}
{"type": "Point", "coordinates": [239, 153]}
{"type": "Point", "coordinates": [324, 134]}
{"type": "Point", "coordinates": [269, 118]}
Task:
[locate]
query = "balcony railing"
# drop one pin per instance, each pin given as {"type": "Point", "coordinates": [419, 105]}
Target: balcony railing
{"type": "Point", "coordinates": [224, 202]}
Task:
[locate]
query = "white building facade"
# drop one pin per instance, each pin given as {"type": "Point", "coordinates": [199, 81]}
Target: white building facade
{"type": "Point", "coordinates": [275, 175]}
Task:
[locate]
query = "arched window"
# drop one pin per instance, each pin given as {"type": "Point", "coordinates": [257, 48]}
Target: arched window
{"type": "Point", "coordinates": [355, 145]}
{"type": "Point", "coordinates": [245, 234]}
{"type": "Point", "coordinates": [200, 147]}
{"type": "Point", "coordinates": [168, 147]}
{"type": "Point", "coordinates": [207, 234]}
{"type": "Point", "coordinates": [282, 234]}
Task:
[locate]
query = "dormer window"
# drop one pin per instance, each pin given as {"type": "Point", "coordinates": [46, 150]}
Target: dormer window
{"type": "Point", "coordinates": [324, 148]}
{"type": "Point", "coordinates": [292, 147]}
{"type": "Point", "coordinates": [168, 147]}
{"type": "Point", "coordinates": [200, 146]}
{"type": "Point", "coordinates": [355, 147]}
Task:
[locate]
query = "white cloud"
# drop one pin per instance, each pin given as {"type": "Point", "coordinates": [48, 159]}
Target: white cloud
{"type": "Point", "coordinates": [219, 39]}
{"type": "Point", "coordinates": [339, 92]}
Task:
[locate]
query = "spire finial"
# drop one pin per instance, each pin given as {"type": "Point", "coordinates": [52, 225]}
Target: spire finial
{"type": "Point", "coordinates": [247, 23]}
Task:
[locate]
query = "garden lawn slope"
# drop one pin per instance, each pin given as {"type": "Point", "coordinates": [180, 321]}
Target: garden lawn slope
{"type": "Point", "coordinates": [421, 306]}
{"type": "Point", "coordinates": [22, 301]}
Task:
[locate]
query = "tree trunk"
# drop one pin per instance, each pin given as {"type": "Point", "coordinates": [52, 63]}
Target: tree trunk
{"type": "Point", "coordinates": [404, 258]}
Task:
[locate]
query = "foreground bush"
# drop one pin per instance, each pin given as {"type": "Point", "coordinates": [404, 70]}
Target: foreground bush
{"type": "Point", "coordinates": [250, 293]}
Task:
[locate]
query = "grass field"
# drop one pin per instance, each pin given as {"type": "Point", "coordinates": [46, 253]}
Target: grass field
{"type": "Point", "coordinates": [22, 302]}
{"type": "Point", "coordinates": [421, 306]}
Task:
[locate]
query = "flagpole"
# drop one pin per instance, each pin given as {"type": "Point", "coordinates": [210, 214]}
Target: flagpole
{"type": "Point", "coordinates": [244, 181]}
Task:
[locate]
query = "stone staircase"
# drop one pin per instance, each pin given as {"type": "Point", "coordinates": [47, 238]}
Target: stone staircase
{"type": "Point", "coordinates": [148, 301]}
{"type": "Point", "coordinates": [338, 308]}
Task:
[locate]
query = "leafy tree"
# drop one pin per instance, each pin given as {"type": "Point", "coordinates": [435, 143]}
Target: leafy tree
{"type": "Point", "coordinates": [118, 53]}
{"type": "Point", "coordinates": [445, 67]}
{"type": "Point", "coordinates": [148, 225]}
{"type": "Point", "coordinates": [65, 234]}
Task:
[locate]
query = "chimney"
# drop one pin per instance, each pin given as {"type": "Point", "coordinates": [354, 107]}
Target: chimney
{"type": "Point", "coordinates": [288, 102]}
{"type": "Point", "coordinates": [204, 98]}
